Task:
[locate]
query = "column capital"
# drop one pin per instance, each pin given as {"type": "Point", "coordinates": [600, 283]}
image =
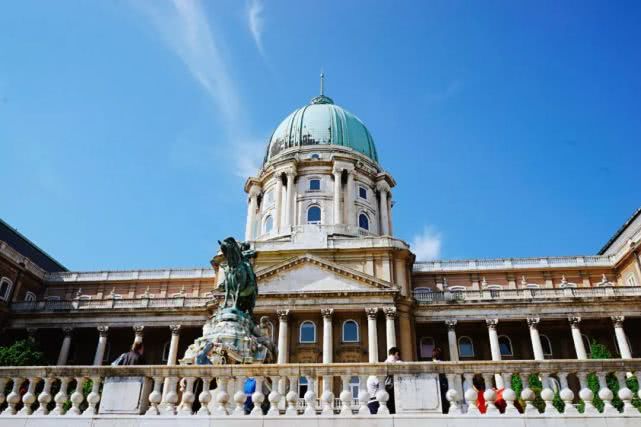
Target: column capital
{"type": "Point", "coordinates": [283, 315]}
{"type": "Point", "coordinates": [390, 312]}
{"type": "Point", "coordinates": [103, 330]}
{"type": "Point", "coordinates": [617, 321]}
{"type": "Point", "coordinates": [67, 330]}
{"type": "Point", "coordinates": [371, 312]}
{"type": "Point", "coordinates": [574, 321]}
{"type": "Point", "coordinates": [254, 190]}
{"type": "Point", "coordinates": [451, 324]}
{"type": "Point", "coordinates": [139, 329]}
{"type": "Point", "coordinates": [383, 187]}
{"type": "Point", "coordinates": [327, 313]}
{"type": "Point", "coordinates": [492, 323]}
{"type": "Point", "coordinates": [533, 322]}
{"type": "Point", "coordinates": [175, 329]}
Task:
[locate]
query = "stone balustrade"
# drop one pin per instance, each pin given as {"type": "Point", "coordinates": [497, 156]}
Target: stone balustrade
{"type": "Point", "coordinates": [485, 295]}
{"type": "Point", "coordinates": [49, 391]}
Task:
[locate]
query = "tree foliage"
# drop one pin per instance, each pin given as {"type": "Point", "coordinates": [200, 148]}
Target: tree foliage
{"type": "Point", "coordinates": [22, 353]}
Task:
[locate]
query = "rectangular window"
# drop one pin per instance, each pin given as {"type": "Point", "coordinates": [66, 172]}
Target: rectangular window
{"type": "Point", "coordinates": [314, 184]}
{"type": "Point", "coordinates": [362, 192]}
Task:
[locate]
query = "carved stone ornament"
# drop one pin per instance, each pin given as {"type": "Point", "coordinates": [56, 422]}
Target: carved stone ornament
{"type": "Point", "coordinates": [617, 321]}
{"type": "Point", "coordinates": [533, 322]}
{"type": "Point", "coordinates": [175, 329]}
{"type": "Point", "coordinates": [103, 330]}
{"type": "Point", "coordinates": [371, 312]}
{"type": "Point", "coordinates": [327, 312]}
{"type": "Point", "coordinates": [283, 315]}
{"type": "Point", "coordinates": [574, 321]}
{"type": "Point", "coordinates": [390, 312]}
{"type": "Point", "coordinates": [451, 324]}
{"type": "Point", "coordinates": [139, 329]}
{"type": "Point", "coordinates": [491, 323]}
{"type": "Point", "coordinates": [67, 330]}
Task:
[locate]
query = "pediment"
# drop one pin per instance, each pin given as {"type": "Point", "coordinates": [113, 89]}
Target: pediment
{"type": "Point", "coordinates": [308, 273]}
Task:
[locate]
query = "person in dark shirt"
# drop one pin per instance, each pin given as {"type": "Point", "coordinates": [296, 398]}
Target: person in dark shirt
{"type": "Point", "coordinates": [132, 357]}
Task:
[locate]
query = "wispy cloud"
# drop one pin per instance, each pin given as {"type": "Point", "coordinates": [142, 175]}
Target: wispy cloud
{"type": "Point", "coordinates": [427, 244]}
{"type": "Point", "coordinates": [256, 23]}
{"type": "Point", "coordinates": [185, 28]}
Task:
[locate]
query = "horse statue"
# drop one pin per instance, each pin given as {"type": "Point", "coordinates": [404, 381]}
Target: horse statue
{"type": "Point", "coordinates": [239, 284]}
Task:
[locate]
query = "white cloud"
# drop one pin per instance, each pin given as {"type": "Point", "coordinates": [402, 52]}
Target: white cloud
{"type": "Point", "coordinates": [249, 158]}
{"type": "Point", "coordinates": [427, 245]}
{"type": "Point", "coordinates": [256, 23]}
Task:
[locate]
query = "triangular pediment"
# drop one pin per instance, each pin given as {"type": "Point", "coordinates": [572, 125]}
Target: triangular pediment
{"type": "Point", "coordinates": [308, 273]}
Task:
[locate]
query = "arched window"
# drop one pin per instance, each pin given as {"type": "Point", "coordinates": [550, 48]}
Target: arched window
{"type": "Point", "coordinates": [29, 296]}
{"type": "Point", "coordinates": [314, 215]}
{"type": "Point", "coordinates": [423, 294]}
{"type": "Point", "coordinates": [307, 332]}
{"type": "Point", "coordinates": [586, 344]}
{"type": "Point", "coordinates": [426, 345]}
{"type": "Point", "coordinates": [546, 345]}
{"type": "Point", "coordinates": [269, 224]}
{"type": "Point", "coordinates": [465, 347]}
{"type": "Point", "coordinates": [505, 345]}
{"type": "Point", "coordinates": [5, 288]}
{"type": "Point", "coordinates": [350, 331]}
{"type": "Point", "coordinates": [363, 221]}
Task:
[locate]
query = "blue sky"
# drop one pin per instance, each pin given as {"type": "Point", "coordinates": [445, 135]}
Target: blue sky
{"type": "Point", "coordinates": [127, 127]}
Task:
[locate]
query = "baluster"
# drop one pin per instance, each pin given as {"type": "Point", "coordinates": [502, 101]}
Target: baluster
{"type": "Point", "coordinates": [169, 397]}
{"type": "Point", "coordinates": [292, 396]}
{"type": "Point", "coordinates": [586, 395]}
{"type": "Point", "coordinates": [29, 397]}
{"type": "Point", "coordinates": [14, 397]}
{"type": "Point", "coordinates": [188, 397]}
{"type": "Point", "coordinates": [626, 395]}
{"type": "Point", "coordinates": [94, 397]}
{"type": "Point", "coordinates": [77, 397]}
{"type": "Point", "coordinates": [363, 396]}
{"type": "Point", "coordinates": [258, 397]}
{"type": "Point", "coordinates": [204, 397]}
{"type": "Point", "coordinates": [638, 375]}
{"type": "Point", "coordinates": [44, 397]}
{"type": "Point", "coordinates": [606, 395]}
{"type": "Point", "coordinates": [239, 397]}
{"type": "Point", "coordinates": [61, 397]}
{"type": "Point", "coordinates": [547, 394]}
{"type": "Point", "coordinates": [471, 397]}
{"type": "Point", "coordinates": [527, 394]}
{"type": "Point", "coordinates": [452, 396]}
{"type": "Point", "coordinates": [222, 398]}
{"type": "Point", "coordinates": [327, 398]}
{"type": "Point", "coordinates": [490, 396]}
{"type": "Point", "coordinates": [155, 397]}
{"type": "Point", "coordinates": [3, 384]}
{"type": "Point", "coordinates": [382, 397]}
{"type": "Point", "coordinates": [310, 397]}
{"type": "Point", "coordinates": [509, 395]}
{"type": "Point", "coordinates": [567, 396]}
{"type": "Point", "coordinates": [275, 396]}
{"type": "Point", "coordinates": [346, 397]}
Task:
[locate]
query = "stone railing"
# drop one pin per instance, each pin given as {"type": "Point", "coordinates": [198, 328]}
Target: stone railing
{"type": "Point", "coordinates": [108, 304]}
{"type": "Point", "coordinates": [514, 263]}
{"type": "Point", "coordinates": [558, 388]}
{"type": "Point", "coordinates": [485, 295]}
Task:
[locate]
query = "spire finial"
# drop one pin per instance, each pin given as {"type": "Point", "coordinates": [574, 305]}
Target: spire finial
{"type": "Point", "coordinates": [322, 83]}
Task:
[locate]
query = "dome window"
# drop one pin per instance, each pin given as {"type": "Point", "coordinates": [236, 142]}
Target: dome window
{"type": "Point", "coordinates": [363, 221]}
{"type": "Point", "coordinates": [314, 215]}
{"type": "Point", "coordinates": [314, 156]}
{"type": "Point", "coordinates": [269, 224]}
{"type": "Point", "coordinates": [362, 192]}
{"type": "Point", "coordinates": [314, 184]}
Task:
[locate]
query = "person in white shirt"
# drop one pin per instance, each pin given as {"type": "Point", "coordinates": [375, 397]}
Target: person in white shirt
{"type": "Point", "coordinates": [374, 384]}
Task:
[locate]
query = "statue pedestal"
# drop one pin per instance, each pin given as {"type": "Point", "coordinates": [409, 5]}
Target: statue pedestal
{"type": "Point", "coordinates": [417, 393]}
{"type": "Point", "coordinates": [125, 395]}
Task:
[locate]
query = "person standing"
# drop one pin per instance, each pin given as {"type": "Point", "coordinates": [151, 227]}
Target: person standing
{"type": "Point", "coordinates": [374, 385]}
{"type": "Point", "coordinates": [132, 357]}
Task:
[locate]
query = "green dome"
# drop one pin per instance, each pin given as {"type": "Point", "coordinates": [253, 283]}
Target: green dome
{"type": "Point", "coordinates": [321, 122]}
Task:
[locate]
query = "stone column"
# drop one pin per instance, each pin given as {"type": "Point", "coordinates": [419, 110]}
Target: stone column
{"type": "Point", "coordinates": [328, 338]}
{"type": "Point", "coordinates": [390, 328]}
{"type": "Point", "coordinates": [138, 332]}
{"type": "Point", "coordinates": [278, 194]}
{"type": "Point", "coordinates": [383, 189]}
{"type": "Point", "coordinates": [173, 344]}
{"type": "Point", "coordinates": [102, 345]}
{"type": "Point", "coordinates": [537, 348]}
{"type": "Point", "coordinates": [494, 347]}
{"type": "Point", "coordinates": [254, 191]}
{"type": "Point", "coordinates": [389, 214]}
{"type": "Point", "coordinates": [338, 207]}
{"type": "Point", "coordinates": [63, 355]}
{"type": "Point", "coordinates": [622, 341]}
{"type": "Point", "coordinates": [283, 336]}
{"type": "Point", "coordinates": [349, 211]}
{"type": "Point", "coordinates": [451, 340]}
{"type": "Point", "coordinates": [372, 334]}
{"type": "Point", "coordinates": [579, 347]}
{"type": "Point", "coordinates": [291, 191]}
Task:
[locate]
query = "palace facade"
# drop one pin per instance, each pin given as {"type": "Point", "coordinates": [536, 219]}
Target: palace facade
{"type": "Point", "coordinates": [334, 282]}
